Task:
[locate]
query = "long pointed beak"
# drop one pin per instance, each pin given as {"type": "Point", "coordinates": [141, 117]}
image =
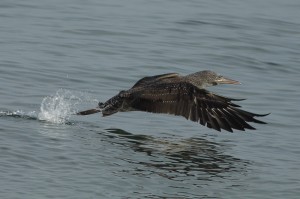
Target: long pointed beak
{"type": "Point", "coordinates": [225, 80]}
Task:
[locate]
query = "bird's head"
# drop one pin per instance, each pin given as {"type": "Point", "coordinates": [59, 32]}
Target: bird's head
{"type": "Point", "coordinates": [207, 78]}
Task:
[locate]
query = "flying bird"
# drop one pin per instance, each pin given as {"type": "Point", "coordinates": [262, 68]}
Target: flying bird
{"type": "Point", "coordinates": [185, 96]}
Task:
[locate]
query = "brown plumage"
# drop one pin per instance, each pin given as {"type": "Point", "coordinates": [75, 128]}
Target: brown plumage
{"type": "Point", "coordinates": [182, 95]}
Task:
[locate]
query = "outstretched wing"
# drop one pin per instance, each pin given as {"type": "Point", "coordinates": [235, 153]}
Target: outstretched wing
{"type": "Point", "coordinates": [194, 104]}
{"type": "Point", "coordinates": [151, 79]}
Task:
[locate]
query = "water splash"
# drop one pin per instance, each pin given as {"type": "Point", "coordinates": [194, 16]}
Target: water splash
{"type": "Point", "coordinates": [59, 107]}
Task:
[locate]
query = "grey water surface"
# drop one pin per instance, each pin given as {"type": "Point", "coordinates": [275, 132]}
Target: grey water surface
{"type": "Point", "coordinates": [61, 56]}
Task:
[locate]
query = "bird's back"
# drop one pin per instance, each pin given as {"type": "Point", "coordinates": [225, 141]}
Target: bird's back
{"type": "Point", "coordinates": [157, 79]}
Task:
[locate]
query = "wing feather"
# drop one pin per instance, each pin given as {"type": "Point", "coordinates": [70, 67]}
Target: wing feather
{"type": "Point", "coordinates": [195, 104]}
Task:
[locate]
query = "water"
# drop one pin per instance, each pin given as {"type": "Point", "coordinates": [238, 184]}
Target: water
{"type": "Point", "coordinates": [58, 57]}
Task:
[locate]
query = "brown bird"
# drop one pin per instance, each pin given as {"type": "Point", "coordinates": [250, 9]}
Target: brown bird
{"type": "Point", "coordinates": [182, 95]}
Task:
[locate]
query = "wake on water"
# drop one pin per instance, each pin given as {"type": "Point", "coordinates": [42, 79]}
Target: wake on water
{"type": "Point", "coordinates": [57, 108]}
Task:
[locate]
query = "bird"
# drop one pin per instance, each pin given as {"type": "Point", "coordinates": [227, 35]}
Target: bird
{"type": "Point", "coordinates": [185, 96]}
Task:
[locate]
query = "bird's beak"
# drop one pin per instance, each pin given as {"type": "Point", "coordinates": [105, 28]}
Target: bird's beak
{"type": "Point", "coordinates": [225, 80]}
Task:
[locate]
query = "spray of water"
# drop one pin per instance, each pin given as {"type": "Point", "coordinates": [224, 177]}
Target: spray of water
{"type": "Point", "coordinates": [59, 107]}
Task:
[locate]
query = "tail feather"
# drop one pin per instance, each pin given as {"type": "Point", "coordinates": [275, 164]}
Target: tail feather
{"type": "Point", "coordinates": [88, 112]}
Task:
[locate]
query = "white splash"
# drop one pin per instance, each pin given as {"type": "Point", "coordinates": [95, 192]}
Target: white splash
{"type": "Point", "coordinates": [59, 107]}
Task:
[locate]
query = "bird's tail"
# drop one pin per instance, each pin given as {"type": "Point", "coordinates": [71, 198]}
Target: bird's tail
{"type": "Point", "coordinates": [88, 112]}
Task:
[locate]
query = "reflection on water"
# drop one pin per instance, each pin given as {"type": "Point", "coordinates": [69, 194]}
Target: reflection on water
{"type": "Point", "coordinates": [171, 158]}
{"type": "Point", "coordinates": [179, 158]}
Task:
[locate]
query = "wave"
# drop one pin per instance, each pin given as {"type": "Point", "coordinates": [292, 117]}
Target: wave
{"type": "Point", "coordinates": [19, 114]}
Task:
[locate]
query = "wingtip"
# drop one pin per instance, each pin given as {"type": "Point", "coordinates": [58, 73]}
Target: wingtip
{"type": "Point", "coordinates": [262, 115]}
{"type": "Point", "coordinates": [240, 99]}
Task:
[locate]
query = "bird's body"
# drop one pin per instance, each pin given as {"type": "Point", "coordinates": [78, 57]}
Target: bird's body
{"type": "Point", "coordinates": [181, 95]}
